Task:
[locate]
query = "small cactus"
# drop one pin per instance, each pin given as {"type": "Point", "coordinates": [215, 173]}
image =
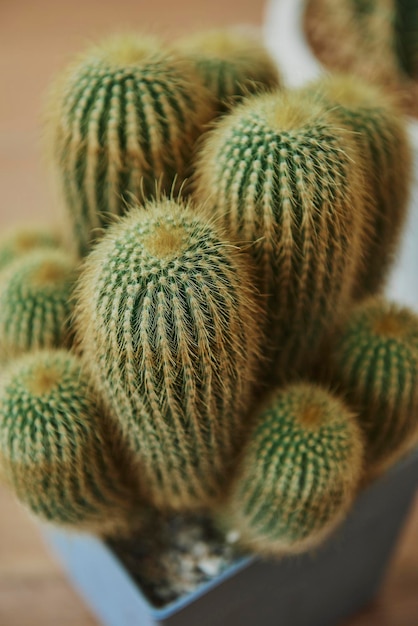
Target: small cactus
{"type": "Point", "coordinates": [298, 474]}
{"type": "Point", "coordinates": [231, 63]}
{"type": "Point", "coordinates": [122, 122]}
{"type": "Point", "coordinates": [54, 453]}
{"type": "Point", "coordinates": [280, 174]}
{"type": "Point", "coordinates": [375, 362]}
{"type": "Point", "coordinates": [381, 136]}
{"type": "Point", "coordinates": [167, 317]}
{"type": "Point", "coordinates": [35, 302]}
{"type": "Point", "coordinates": [20, 241]}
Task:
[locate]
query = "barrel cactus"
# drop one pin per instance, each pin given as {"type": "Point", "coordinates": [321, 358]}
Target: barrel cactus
{"type": "Point", "coordinates": [281, 175]}
{"type": "Point", "coordinates": [122, 121]}
{"type": "Point", "coordinates": [54, 450]}
{"type": "Point", "coordinates": [168, 318]}
{"type": "Point", "coordinates": [231, 63]}
{"type": "Point", "coordinates": [22, 240]}
{"type": "Point", "coordinates": [381, 136]}
{"type": "Point", "coordinates": [375, 362]}
{"type": "Point", "coordinates": [35, 304]}
{"type": "Point", "coordinates": [298, 473]}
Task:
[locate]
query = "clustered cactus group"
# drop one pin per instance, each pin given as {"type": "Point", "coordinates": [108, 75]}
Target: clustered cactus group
{"type": "Point", "coordinates": [214, 337]}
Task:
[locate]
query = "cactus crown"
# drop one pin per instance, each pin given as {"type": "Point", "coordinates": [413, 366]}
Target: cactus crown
{"type": "Point", "coordinates": [166, 315]}
{"type": "Point", "coordinates": [298, 473]}
{"type": "Point", "coordinates": [54, 449]}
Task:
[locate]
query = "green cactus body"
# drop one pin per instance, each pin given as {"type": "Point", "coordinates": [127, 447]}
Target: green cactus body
{"type": "Point", "coordinates": [375, 362]}
{"type": "Point", "coordinates": [381, 136]}
{"type": "Point", "coordinates": [167, 315]}
{"type": "Point", "coordinates": [123, 122]}
{"type": "Point", "coordinates": [20, 241]}
{"type": "Point", "coordinates": [54, 452]}
{"type": "Point", "coordinates": [231, 63]}
{"type": "Point", "coordinates": [281, 176]}
{"type": "Point", "coordinates": [35, 302]}
{"type": "Point", "coordinates": [298, 473]}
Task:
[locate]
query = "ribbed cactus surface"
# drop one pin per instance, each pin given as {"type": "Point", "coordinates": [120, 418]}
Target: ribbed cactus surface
{"type": "Point", "coordinates": [231, 63]}
{"type": "Point", "coordinates": [167, 316]}
{"type": "Point", "coordinates": [21, 240]}
{"type": "Point", "coordinates": [54, 452]}
{"type": "Point", "coordinates": [280, 174]}
{"type": "Point", "coordinates": [298, 473]}
{"type": "Point", "coordinates": [123, 120]}
{"type": "Point", "coordinates": [375, 362]}
{"type": "Point", "coordinates": [381, 136]}
{"type": "Point", "coordinates": [35, 305]}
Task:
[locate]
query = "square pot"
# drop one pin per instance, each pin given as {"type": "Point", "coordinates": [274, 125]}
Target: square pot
{"type": "Point", "coordinates": [314, 589]}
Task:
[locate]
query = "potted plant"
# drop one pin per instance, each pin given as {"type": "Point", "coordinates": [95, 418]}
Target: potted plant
{"type": "Point", "coordinates": [203, 359]}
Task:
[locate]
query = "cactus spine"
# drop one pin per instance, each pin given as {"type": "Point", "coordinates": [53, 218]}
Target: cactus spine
{"type": "Point", "coordinates": [375, 362]}
{"type": "Point", "coordinates": [231, 63]}
{"type": "Point", "coordinates": [381, 136]}
{"type": "Point", "coordinates": [53, 449]}
{"type": "Point", "coordinates": [279, 173]}
{"type": "Point", "coordinates": [298, 474]}
{"type": "Point", "coordinates": [166, 313]}
{"type": "Point", "coordinates": [23, 240]}
{"type": "Point", "coordinates": [122, 121]}
{"type": "Point", "coordinates": [35, 302]}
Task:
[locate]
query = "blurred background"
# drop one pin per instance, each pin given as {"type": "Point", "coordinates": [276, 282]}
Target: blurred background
{"type": "Point", "coordinates": [37, 38]}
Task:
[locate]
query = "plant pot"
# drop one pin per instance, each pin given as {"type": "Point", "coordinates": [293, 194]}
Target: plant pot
{"type": "Point", "coordinates": [315, 589]}
{"type": "Point", "coordinates": [285, 38]}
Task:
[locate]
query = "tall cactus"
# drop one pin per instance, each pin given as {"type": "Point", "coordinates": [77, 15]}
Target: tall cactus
{"type": "Point", "coordinates": [298, 473]}
{"type": "Point", "coordinates": [54, 450]}
{"type": "Point", "coordinates": [281, 174]}
{"type": "Point", "coordinates": [122, 120]}
{"type": "Point", "coordinates": [381, 136]}
{"type": "Point", "coordinates": [167, 315]}
{"type": "Point", "coordinates": [35, 305]}
{"type": "Point", "coordinates": [22, 240]}
{"type": "Point", "coordinates": [375, 362]}
{"type": "Point", "coordinates": [231, 63]}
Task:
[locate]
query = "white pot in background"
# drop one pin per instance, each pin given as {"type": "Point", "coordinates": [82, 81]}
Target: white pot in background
{"type": "Point", "coordinates": [284, 37]}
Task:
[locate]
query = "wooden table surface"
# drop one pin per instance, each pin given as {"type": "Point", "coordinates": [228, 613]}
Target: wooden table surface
{"type": "Point", "coordinates": [36, 40]}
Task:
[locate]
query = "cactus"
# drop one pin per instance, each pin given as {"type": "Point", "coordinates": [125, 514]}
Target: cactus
{"type": "Point", "coordinates": [35, 302]}
{"type": "Point", "coordinates": [54, 451]}
{"type": "Point", "coordinates": [381, 136]}
{"type": "Point", "coordinates": [356, 36]}
{"type": "Point", "coordinates": [298, 473]}
{"type": "Point", "coordinates": [122, 121]}
{"type": "Point", "coordinates": [22, 240]}
{"type": "Point", "coordinates": [281, 174]}
{"type": "Point", "coordinates": [167, 317]}
{"type": "Point", "coordinates": [231, 63]}
{"type": "Point", "coordinates": [375, 362]}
